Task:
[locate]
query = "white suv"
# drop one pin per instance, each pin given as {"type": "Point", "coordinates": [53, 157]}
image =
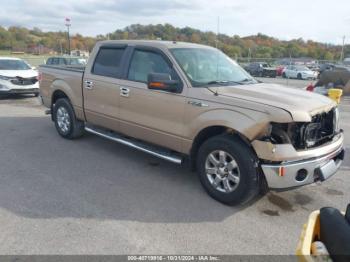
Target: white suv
{"type": "Point", "coordinates": [17, 77]}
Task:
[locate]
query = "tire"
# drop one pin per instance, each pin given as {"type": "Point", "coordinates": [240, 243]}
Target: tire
{"type": "Point", "coordinates": [243, 166]}
{"type": "Point", "coordinates": [66, 123]}
{"type": "Point", "coordinates": [299, 76]}
{"type": "Point", "coordinates": [36, 94]}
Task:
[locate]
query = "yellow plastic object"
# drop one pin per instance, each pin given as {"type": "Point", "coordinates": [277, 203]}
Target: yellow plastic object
{"type": "Point", "coordinates": [335, 94]}
{"type": "Point", "coordinates": [310, 232]}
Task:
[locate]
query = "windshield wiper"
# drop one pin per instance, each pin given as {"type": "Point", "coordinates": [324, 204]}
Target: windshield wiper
{"type": "Point", "coordinates": [245, 80]}
{"type": "Point", "coordinates": [227, 82]}
{"type": "Point", "coordinates": [223, 83]}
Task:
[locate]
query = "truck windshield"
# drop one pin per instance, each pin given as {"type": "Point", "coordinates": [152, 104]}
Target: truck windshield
{"type": "Point", "coordinates": [206, 66]}
{"type": "Point", "coordinates": [12, 64]}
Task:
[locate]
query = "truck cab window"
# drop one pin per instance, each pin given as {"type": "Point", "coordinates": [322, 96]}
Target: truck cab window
{"type": "Point", "coordinates": [146, 62]}
{"type": "Point", "coordinates": [107, 62]}
{"type": "Point", "coordinates": [62, 61]}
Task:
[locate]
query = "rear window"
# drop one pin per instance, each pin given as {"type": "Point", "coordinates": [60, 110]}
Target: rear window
{"type": "Point", "coordinates": [108, 61]}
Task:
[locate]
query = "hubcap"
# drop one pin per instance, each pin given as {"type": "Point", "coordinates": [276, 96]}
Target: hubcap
{"type": "Point", "coordinates": [63, 119]}
{"type": "Point", "coordinates": [222, 171]}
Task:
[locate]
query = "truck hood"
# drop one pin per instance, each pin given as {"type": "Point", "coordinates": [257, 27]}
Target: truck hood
{"type": "Point", "coordinates": [301, 104]}
{"type": "Point", "coordinates": [21, 73]}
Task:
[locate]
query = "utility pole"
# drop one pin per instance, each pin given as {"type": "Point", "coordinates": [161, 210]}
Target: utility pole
{"type": "Point", "coordinates": [68, 24]}
{"type": "Point", "coordinates": [342, 50]}
{"type": "Point", "coordinates": [217, 32]}
{"type": "Point", "coordinates": [61, 46]}
{"type": "Point", "coordinates": [249, 54]}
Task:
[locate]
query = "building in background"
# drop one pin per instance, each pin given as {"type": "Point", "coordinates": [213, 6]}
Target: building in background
{"type": "Point", "coordinates": [80, 53]}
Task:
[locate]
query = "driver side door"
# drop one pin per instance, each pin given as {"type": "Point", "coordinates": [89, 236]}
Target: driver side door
{"type": "Point", "coordinates": [155, 116]}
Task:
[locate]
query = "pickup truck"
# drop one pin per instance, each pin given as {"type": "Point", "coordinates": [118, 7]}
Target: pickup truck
{"type": "Point", "coordinates": [182, 101]}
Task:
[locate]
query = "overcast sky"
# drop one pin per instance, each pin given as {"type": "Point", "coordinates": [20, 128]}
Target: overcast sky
{"type": "Point", "coordinates": [321, 20]}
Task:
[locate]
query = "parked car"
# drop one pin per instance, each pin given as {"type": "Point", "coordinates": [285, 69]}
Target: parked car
{"type": "Point", "coordinates": [17, 77]}
{"type": "Point", "coordinates": [299, 72]}
{"type": "Point", "coordinates": [261, 69]}
{"type": "Point", "coordinates": [324, 67]}
{"type": "Point", "coordinates": [280, 69]}
{"type": "Point", "coordinates": [347, 61]}
{"type": "Point", "coordinates": [173, 101]}
{"type": "Point", "coordinates": [339, 77]}
{"type": "Point", "coordinates": [66, 60]}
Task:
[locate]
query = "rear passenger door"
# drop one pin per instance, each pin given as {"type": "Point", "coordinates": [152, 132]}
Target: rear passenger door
{"type": "Point", "coordinates": [155, 116]}
{"type": "Point", "coordinates": [101, 87]}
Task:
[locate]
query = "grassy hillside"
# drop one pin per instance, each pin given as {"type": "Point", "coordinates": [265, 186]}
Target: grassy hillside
{"type": "Point", "coordinates": [257, 46]}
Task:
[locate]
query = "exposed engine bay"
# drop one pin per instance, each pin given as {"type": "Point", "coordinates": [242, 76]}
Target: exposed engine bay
{"type": "Point", "coordinates": [320, 130]}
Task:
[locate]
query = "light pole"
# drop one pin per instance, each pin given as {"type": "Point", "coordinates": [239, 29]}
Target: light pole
{"type": "Point", "coordinates": [68, 24]}
{"type": "Point", "coordinates": [342, 50]}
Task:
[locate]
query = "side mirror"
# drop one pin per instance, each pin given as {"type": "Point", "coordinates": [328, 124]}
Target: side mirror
{"type": "Point", "coordinates": [160, 81]}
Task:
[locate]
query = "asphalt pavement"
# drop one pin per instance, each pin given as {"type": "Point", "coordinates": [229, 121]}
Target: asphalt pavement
{"type": "Point", "coordinates": [93, 196]}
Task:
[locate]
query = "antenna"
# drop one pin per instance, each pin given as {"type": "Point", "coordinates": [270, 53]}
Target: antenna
{"type": "Point", "coordinates": [217, 56]}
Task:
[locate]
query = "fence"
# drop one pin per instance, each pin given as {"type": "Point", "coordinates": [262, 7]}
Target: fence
{"type": "Point", "coordinates": [284, 61]}
{"type": "Point", "coordinates": [33, 60]}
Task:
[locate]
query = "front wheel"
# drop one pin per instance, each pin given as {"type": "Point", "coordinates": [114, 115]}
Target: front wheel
{"type": "Point", "coordinates": [65, 121]}
{"type": "Point", "coordinates": [227, 170]}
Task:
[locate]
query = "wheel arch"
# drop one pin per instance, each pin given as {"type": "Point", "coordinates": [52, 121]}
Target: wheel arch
{"type": "Point", "coordinates": [216, 130]}
{"type": "Point", "coordinates": [57, 94]}
{"type": "Point", "coordinates": [209, 132]}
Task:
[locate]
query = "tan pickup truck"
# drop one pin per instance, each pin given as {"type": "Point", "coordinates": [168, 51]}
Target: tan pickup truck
{"type": "Point", "coordinates": [180, 100]}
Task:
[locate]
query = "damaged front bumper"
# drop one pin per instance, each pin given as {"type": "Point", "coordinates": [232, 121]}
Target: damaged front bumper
{"type": "Point", "coordinates": [284, 167]}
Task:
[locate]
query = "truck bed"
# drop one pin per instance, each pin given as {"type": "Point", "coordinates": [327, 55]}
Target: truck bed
{"type": "Point", "coordinates": [67, 78]}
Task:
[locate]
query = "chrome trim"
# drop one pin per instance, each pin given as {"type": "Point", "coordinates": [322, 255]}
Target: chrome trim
{"type": "Point", "coordinates": [325, 163]}
{"type": "Point", "coordinates": [135, 144]}
{"type": "Point", "coordinates": [222, 171]}
{"type": "Point", "coordinates": [196, 103]}
{"type": "Point", "coordinates": [88, 84]}
{"type": "Point", "coordinates": [124, 91]}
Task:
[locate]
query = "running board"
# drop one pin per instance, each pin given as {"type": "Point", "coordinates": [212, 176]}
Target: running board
{"type": "Point", "coordinates": [152, 150]}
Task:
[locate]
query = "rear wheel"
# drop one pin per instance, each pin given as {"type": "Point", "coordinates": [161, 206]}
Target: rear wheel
{"type": "Point", "coordinates": [227, 170]}
{"type": "Point", "coordinates": [65, 121]}
{"type": "Point", "coordinates": [299, 76]}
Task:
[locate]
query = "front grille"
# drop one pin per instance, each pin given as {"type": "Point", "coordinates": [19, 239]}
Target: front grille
{"type": "Point", "coordinates": [320, 130]}
{"type": "Point", "coordinates": [24, 81]}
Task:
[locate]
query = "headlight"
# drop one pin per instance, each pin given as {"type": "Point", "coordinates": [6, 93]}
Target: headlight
{"type": "Point", "coordinates": [5, 77]}
{"type": "Point", "coordinates": [3, 87]}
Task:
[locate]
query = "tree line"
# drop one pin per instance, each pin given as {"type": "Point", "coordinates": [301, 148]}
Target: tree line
{"type": "Point", "coordinates": [256, 46]}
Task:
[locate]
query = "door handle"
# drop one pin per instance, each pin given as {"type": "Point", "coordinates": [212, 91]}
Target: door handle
{"type": "Point", "coordinates": [88, 84]}
{"type": "Point", "coordinates": [124, 91]}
